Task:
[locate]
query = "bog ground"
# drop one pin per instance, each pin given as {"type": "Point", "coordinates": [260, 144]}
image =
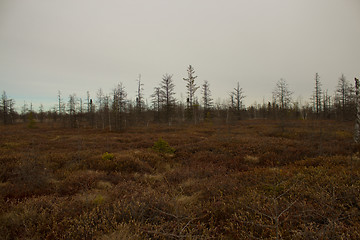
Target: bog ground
{"type": "Point", "coordinates": [252, 179]}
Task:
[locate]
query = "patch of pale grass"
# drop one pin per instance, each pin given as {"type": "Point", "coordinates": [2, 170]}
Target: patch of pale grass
{"type": "Point", "coordinates": [152, 178]}
{"type": "Point", "coordinates": [91, 197]}
{"type": "Point", "coordinates": [189, 182]}
{"type": "Point", "coordinates": [104, 185]}
{"type": "Point", "coordinates": [123, 231]}
{"type": "Point", "coordinates": [185, 200]}
{"type": "Point", "coordinates": [251, 159]}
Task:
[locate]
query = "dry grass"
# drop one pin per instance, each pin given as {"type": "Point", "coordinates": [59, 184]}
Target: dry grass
{"type": "Point", "coordinates": [253, 179]}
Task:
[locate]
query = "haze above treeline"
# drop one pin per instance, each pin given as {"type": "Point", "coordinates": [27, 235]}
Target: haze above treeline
{"type": "Point", "coordinates": [79, 46]}
{"type": "Point", "coordinates": [49, 102]}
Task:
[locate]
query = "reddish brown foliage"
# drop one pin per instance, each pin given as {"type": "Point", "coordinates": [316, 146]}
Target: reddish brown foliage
{"type": "Point", "coordinates": [260, 179]}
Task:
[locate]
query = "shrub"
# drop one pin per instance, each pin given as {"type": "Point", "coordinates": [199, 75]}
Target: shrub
{"type": "Point", "coordinates": [99, 199]}
{"type": "Point", "coordinates": [163, 146]}
{"type": "Point", "coordinates": [131, 164]}
{"type": "Point", "coordinates": [32, 123]}
{"type": "Point", "coordinates": [107, 156]}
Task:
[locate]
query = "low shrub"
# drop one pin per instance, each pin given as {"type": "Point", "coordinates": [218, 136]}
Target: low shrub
{"type": "Point", "coordinates": [107, 156]}
{"type": "Point", "coordinates": [163, 146]}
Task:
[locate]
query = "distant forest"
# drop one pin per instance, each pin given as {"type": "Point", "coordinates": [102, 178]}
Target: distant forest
{"type": "Point", "coordinates": [114, 111]}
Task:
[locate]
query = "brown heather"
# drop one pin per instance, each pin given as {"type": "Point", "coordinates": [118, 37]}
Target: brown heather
{"type": "Point", "coordinates": [256, 179]}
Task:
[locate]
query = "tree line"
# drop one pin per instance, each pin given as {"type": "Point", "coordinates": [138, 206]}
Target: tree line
{"type": "Point", "coordinates": [114, 111]}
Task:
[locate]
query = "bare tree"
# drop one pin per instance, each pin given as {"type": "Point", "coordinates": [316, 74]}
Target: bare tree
{"type": "Point", "coordinates": [41, 113]}
{"type": "Point", "coordinates": [7, 109]}
{"type": "Point", "coordinates": [167, 95]}
{"type": "Point", "coordinates": [207, 100]}
{"type": "Point", "coordinates": [24, 111]}
{"type": "Point", "coordinates": [237, 97]}
{"type": "Point", "coordinates": [100, 101]}
{"type": "Point", "coordinates": [4, 108]}
{"type": "Point", "coordinates": [326, 102]}
{"type": "Point", "coordinates": [156, 102]}
{"type": "Point", "coordinates": [89, 114]}
{"type": "Point", "coordinates": [119, 105]}
{"type": "Point", "coordinates": [139, 95]}
{"type": "Point", "coordinates": [88, 101]}
{"type": "Point", "coordinates": [59, 103]}
{"type": "Point", "coordinates": [282, 95]}
{"type": "Point", "coordinates": [72, 110]}
{"type": "Point", "coordinates": [191, 89]}
{"type": "Point", "coordinates": [316, 99]}
{"type": "Point", "coordinates": [12, 112]}
{"type": "Point", "coordinates": [357, 123]}
{"type": "Point", "coordinates": [106, 110]}
{"type": "Point", "coordinates": [344, 96]}
{"type": "Point", "coordinates": [100, 98]}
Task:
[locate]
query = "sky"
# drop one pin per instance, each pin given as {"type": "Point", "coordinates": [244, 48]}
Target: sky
{"type": "Point", "coordinates": [75, 46]}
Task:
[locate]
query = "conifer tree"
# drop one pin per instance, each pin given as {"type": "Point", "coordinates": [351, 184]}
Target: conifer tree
{"type": "Point", "coordinates": [191, 89]}
{"type": "Point", "coordinates": [167, 95]}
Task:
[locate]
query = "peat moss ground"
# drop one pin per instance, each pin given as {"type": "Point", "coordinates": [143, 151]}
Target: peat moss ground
{"type": "Point", "coordinates": [252, 179]}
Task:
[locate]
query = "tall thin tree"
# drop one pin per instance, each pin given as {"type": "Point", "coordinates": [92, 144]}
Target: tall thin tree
{"type": "Point", "coordinates": [191, 89]}
{"type": "Point", "coordinates": [167, 95]}
{"type": "Point", "coordinates": [59, 103]}
{"type": "Point", "coordinates": [139, 95]}
{"type": "Point", "coordinates": [72, 110]}
{"type": "Point", "coordinates": [357, 122]}
{"type": "Point", "coordinates": [238, 96]}
{"type": "Point", "coordinates": [317, 95]}
{"type": "Point", "coordinates": [156, 102]}
{"type": "Point", "coordinates": [119, 105]}
{"type": "Point", "coordinates": [282, 95]}
{"type": "Point", "coordinates": [4, 107]}
{"type": "Point", "coordinates": [207, 100]}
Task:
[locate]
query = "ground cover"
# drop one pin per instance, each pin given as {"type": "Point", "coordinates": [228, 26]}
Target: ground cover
{"type": "Point", "coordinates": [251, 179]}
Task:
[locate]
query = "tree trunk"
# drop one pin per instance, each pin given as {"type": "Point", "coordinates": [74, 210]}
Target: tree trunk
{"type": "Point", "coordinates": [357, 123]}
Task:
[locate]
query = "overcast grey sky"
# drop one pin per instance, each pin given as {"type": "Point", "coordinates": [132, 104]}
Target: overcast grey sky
{"type": "Point", "coordinates": [82, 45]}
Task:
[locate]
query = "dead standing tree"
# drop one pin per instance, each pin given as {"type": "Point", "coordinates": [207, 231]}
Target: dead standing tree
{"type": "Point", "coordinates": [357, 123]}
{"type": "Point", "coordinates": [191, 89]}
{"type": "Point", "coordinates": [167, 96]}
{"type": "Point", "coordinates": [317, 95]}
{"type": "Point", "coordinates": [156, 101]}
{"type": "Point", "coordinates": [236, 100]}
{"type": "Point", "coordinates": [282, 94]}
{"type": "Point", "coordinates": [282, 97]}
{"type": "Point", "coordinates": [72, 110]}
{"type": "Point", "coordinates": [7, 109]}
{"type": "Point", "coordinates": [207, 100]}
{"type": "Point", "coordinates": [139, 98]}
{"type": "Point", "coordinates": [4, 107]}
{"type": "Point", "coordinates": [119, 107]}
{"type": "Point", "coordinates": [344, 99]}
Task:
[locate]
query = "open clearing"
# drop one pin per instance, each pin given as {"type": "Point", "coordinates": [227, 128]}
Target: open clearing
{"type": "Point", "coordinates": [256, 178]}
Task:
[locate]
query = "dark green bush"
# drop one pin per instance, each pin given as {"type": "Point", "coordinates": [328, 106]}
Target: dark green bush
{"type": "Point", "coordinates": [163, 146]}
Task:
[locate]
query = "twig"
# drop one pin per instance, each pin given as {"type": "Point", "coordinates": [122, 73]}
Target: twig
{"type": "Point", "coordinates": [165, 234]}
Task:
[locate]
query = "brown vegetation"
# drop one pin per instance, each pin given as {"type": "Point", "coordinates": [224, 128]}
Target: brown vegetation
{"type": "Point", "coordinates": [253, 179]}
